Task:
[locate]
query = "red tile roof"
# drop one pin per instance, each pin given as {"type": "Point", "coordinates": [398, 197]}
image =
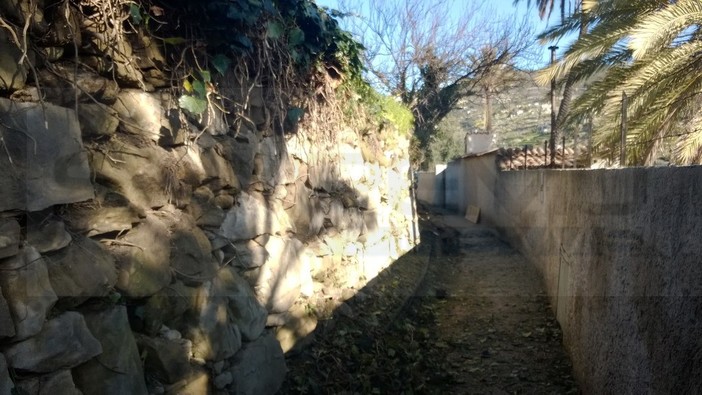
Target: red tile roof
{"type": "Point", "coordinates": [537, 158]}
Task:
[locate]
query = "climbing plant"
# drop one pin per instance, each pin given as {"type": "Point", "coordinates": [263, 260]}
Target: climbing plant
{"type": "Point", "coordinates": [214, 53]}
{"type": "Point", "coordinates": [285, 42]}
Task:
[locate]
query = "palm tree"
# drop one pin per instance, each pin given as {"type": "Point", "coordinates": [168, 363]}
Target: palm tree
{"type": "Point", "coordinates": [545, 8]}
{"type": "Point", "coordinates": [652, 51]}
{"type": "Point", "coordinates": [494, 79]}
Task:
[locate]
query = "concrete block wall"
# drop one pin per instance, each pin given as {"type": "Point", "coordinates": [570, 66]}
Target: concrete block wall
{"type": "Point", "coordinates": [430, 187]}
{"type": "Point", "coordinates": [619, 252]}
{"type": "Point", "coordinates": [466, 181]}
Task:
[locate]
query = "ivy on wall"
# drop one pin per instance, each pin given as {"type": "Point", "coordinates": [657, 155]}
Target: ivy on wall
{"type": "Point", "coordinates": [308, 35]}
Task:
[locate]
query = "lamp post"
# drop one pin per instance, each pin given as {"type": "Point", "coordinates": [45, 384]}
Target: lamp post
{"type": "Point", "coordinates": [552, 140]}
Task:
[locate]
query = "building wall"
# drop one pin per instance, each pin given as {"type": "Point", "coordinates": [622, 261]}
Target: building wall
{"type": "Point", "coordinates": [453, 187]}
{"type": "Point", "coordinates": [619, 252]}
{"type": "Point", "coordinates": [430, 187]}
{"type": "Point", "coordinates": [470, 181]}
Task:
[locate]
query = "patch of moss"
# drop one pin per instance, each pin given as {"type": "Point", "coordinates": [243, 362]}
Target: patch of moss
{"type": "Point", "coordinates": [397, 113]}
{"type": "Point", "coordinates": [361, 98]}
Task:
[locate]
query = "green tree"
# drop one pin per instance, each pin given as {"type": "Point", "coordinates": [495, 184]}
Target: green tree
{"type": "Point", "coordinates": [652, 51]}
{"type": "Point", "coordinates": [493, 80]}
{"type": "Point", "coordinates": [429, 53]}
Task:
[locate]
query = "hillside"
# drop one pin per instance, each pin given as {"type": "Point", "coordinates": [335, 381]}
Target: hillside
{"type": "Point", "coordinates": [521, 116]}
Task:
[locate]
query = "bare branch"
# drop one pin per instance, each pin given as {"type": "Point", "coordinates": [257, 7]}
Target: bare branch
{"type": "Point", "coordinates": [431, 54]}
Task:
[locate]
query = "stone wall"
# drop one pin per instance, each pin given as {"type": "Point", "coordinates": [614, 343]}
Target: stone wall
{"type": "Point", "coordinates": [146, 251]}
{"type": "Point", "coordinates": [618, 251]}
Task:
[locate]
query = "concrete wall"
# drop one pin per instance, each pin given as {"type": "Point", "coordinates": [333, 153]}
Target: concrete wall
{"type": "Point", "coordinates": [470, 181]}
{"type": "Point", "coordinates": [619, 252]}
{"type": "Point", "coordinates": [453, 181]}
{"type": "Point", "coordinates": [430, 187]}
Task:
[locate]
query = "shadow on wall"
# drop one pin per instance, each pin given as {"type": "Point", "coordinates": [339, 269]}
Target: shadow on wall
{"type": "Point", "coordinates": [347, 349]}
{"type": "Point", "coordinates": [430, 187]}
{"type": "Point", "coordinates": [324, 232]}
{"type": "Point", "coordinates": [617, 254]}
{"type": "Point", "coordinates": [180, 258]}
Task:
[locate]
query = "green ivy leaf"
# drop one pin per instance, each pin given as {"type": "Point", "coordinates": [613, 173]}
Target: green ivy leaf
{"type": "Point", "coordinates": [243, 41]}
{"type": "Point", "coordinates": [199, 88]}
{"type": "Point", "coordinates": [192, 104]}
{"type": "Point", "coordinates": [221, 63]}
{"type": "Point", "coordinates": [174, 40]}
{"type": "Point", "coordinates": [295, 114]}
{"type": "Point", "coordinates": [135, 13]}
{"type": "Point", "coordinates": [187, 86]}
{"type": "Point", "coordinates": [295, 54]}
{"type": "Point", "coordinates": [297, 37]}
{"type": "Point", "coordinates": [206, 77]}
{"type": "Point", "coordinates": [274, 30]}
{"type": "Point", "coordinates": [268, 6]}
{"type": "Point", "coordinates": [234, 13]}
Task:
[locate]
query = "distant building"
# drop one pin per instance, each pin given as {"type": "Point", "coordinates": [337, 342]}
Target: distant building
{"type": "Point", "coordinates": [477, 142]}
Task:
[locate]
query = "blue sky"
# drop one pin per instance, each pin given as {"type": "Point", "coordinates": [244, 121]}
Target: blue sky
{"type": "Point", "coordinates": [503, 8]}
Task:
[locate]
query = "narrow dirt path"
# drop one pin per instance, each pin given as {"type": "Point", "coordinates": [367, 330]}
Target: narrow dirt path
{"type": "Point", "coordinates": [491, 316]}
{"type": "Point", "coordinates": [478, 323]}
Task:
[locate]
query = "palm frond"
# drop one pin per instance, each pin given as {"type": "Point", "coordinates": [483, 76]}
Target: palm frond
{"type": "Point", "coordinates": [663, 63]}
{"type": "Point", "coordinates": [571, 24]}
{"type": "Point", "coordinates": [658, 29]}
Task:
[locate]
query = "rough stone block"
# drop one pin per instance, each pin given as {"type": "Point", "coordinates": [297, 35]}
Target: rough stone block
{"type": "Point", "coordinates": [177, 132]}
{"type": "Point", "coordinates": [9, 238]}
{"type": "Point", "coordinates": [351, 224]}
{"type": "Point", "coordinates": [351, 163]}
{"type": "Point", "coordinates": [6, 384]}
{"type": "Point", "coordinates": [143, 112]}
{"type": "Point", "coordinates": [145, 174]}
{"type": "Point", "coordinates": [13, 75]}
{"type": "Point", "coordinates": [224, 201]}
{"type": "Point", "coordinates": [197, 383]}
{"type": "Point", "coordinates": [214, 335]}
{"type": "Point", "coordinates": [19, 11]}
{"type": "Point", "coordinates": [25, 285]}
{"type": "Point", "coordinates": [168, 360]}
{"type": "Point", "coordinates": [247, 255]}
{"type": "Point", "coordinates": [205, 212]}
{"type": "Point", "coordinates": [81, 271]}
{"type": "Point", "coordinates": [306, 213]}
{"type": "Point", "coordinates": [57, 85]}
{"type": "Point", "coordinates": [217, 167]}
{"type": "Point", "coordinates": [168, 307]}
{"type": "Point", "coordinates": [190, 249]}
{"type": "Point", "coordinates": [240, 152]}
{"type": "Point", "coordinates": [298, 331]}
{"type": "Point", "coordinates": [276, 166]}
{"type": "Point", "coordinates": [44, 160]}
{"type": "Point", "coordinates": [247, 312]}
{"type": "Point", "coordinates": [97, 120]}
{"type": "Point", "coordinates": [143, 258]}
{"type": "Point", "coordinates": [47, 235]}
{"type": "Point", "coordinates": [117, 370]}
{"type": "Point", "coordinates": [7, 325]}
{"type": "Point", "coordinates": [63, 343]}
{"type": "Point", "coordinates": [324, 174]}
{"type": "Point", "coordinates": [57, 383]}
{"type": "Point", "coordinates": [253, 217]}
{"type": "Point", "coordinates": [94, 221]}
{"type": "Point", "coordinates": [258, 368]}
{"type": "Point", "coordinates": [279, 282]}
